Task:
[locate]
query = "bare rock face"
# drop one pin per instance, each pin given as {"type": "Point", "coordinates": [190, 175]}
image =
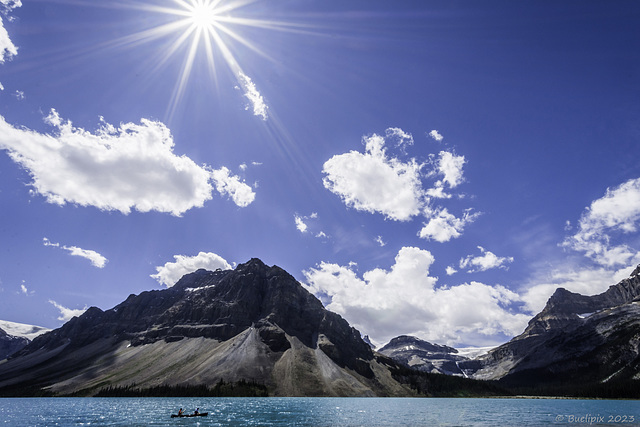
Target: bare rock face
{"type": "Point", "coordinates": [255, 323]}
{"type": "Point", "coordinates": [574, 339]}
{"type": "Point", "coordinates": [9, 344]}
{"type": "Point", "coordinates": [423, 355]}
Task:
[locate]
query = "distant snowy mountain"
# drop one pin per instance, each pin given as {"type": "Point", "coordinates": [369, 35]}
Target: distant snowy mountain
{"type": "Point", "coordinates": [22, 330]}
{"type": "Point", "coordinates": [16, 336]}
{"type": "Point", "coordinates": [424, 356]}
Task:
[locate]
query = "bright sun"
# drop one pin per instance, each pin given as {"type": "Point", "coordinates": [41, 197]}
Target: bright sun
{"type": "Point", "coordinates": [207, 29]}
{"type": "Point", "coordinates": [202, 14]}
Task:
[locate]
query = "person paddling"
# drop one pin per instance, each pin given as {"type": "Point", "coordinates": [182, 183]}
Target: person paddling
{"type": "Point", "coordinates": [180, 412]}
{"type": "Point", "coordinates": [196, 412]}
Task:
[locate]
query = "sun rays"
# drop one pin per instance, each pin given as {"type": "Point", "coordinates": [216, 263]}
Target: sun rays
{"type": "Point", "coordinates": [204, 32]}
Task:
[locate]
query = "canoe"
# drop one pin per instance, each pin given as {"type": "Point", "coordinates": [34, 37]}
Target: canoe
{"type": "Point", "coordinates": [201, 414]}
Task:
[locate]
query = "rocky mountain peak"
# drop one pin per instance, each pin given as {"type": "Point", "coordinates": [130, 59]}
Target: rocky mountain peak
{"type": "Point", "coordinates": [565, 307]}
{"type": "Point", "coordinates": [411, 342]}
{"type": "Point", "coordinates": [262, 304]}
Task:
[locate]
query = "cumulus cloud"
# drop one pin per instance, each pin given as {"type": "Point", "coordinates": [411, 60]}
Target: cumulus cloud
{"type": "Point", "coordinates": [171, 272]}
{"type": "Point", "coordinates": [67, 314]}
{"type": "Point", "coordinates": [377, 182]}
{"type": "Point", "coordinates": [484, 262]}
{"type": "Point", "coordinates": [374, 182]}
{"type": "Point", "coordinates": [405, 300]}
{"type": "Point", "coordinates": [443, 226]}
{"type": "Point", "coordinates": [256, 100]}
{"type": "Point", "coordinates": [450, 166]}
{"type": "Point", "coordinates": [436, 135]}
{"type": "Point", "coordinates": [450, 270]}
{"type": "Point", "coordinates": [226, 184]}
{"type": "Point", "coordinates": [94, 257]}
{"type": "Point", "coordinates": [615, 214]}
{"type": "Point", "coordinates": [129, 167]}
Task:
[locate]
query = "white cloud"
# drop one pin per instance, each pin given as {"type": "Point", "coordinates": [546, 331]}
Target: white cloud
{"type": "Point", "coordinates": [380, 241]}
{"type": "Point", "coordinates": [436, 135]}
{"type": "Point", "coordinates": [67, 314]}
{"type": "Point", "coordinates": [171, 272]}
{"type": "Point", "coordinates": [615, 214]}
{"type": "Point", "coordinates": [404, 300]}
{"type": "Point", "coordinates": [484, 262]}
{"type": "Point", "coordinates": [582, 280]}
{"type": "Point", "coordinates": [401, 137]}
{"type": "Point", "coordinates": [442, 226]}
{"type": "Point", "coordinates": [226, 184]}
{"type": "Point", "coordinates": [7, 48]}
{"type": "Point", "coordinates": [450, 166]}
{"type": "Point", "coordinates": [132, 166]}
{"type": "Point", "coordinates": [19, 95]}
{"type": "Point", "coordinates": [308, 224]}
{"type": "Point", "coordinates": [300, 225]}
{"type": "Point", "coordinates": [24, 290]}
{"type": "Point", "coordinates": [374, 182]}
{"type": "Point", "coordinates": [451, 270]}
{"type": "Point", "coordinates": [94, 257]}
{"type": "Point", "coordinates": [377, 182]}
{"type": "Point", "coordinates": [258, 105]}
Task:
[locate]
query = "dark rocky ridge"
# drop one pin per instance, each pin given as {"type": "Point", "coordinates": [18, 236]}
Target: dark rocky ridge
{"type": "Point", "coordinates": [9, 344]}
{"type": "Point", "coordinates": [575, 339]}
{"type": "Point", "coordinates": [255, 323]}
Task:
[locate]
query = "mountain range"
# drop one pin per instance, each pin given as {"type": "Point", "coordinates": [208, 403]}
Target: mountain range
{"type": "Point", "coordinates": [257, 325]}
{"type": "Point", "coordinates": [577, 345]}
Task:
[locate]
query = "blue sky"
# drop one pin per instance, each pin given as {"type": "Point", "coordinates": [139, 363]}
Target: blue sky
{"type": "Point", "coordinates": [432, 168]}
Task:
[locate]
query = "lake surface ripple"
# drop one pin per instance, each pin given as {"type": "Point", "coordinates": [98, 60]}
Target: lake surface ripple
{"type": "Point", "coordinates": [369, 412]}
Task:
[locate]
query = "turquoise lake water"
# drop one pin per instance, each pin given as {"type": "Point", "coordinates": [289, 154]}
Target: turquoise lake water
{"type": "Point", "coordinates": [369, 412]}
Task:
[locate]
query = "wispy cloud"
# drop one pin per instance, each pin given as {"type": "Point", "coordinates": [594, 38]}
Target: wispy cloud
{"type": "Point", "coordinates": [171, 272]}
{"type": "Point", "coordinates": [7, 48]}
{"type": "Point", "coordinates": [484, 262]}
{"type": "Point", "coordinates": [24, 290]}
{"type": "Point", "coordinates": [96, 259]}
{"type": "Point", "coordinates": [307, 224]}
{"type": "Point", "coordinates": [67, 314]}
{"type": "Point", "coordinates": [257, 103]}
